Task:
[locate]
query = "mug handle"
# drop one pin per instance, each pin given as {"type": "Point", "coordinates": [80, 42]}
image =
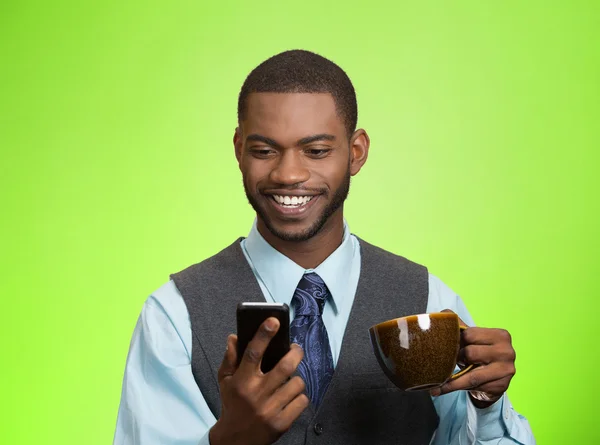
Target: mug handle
{"type": "Point", "coordinates": [467, 368]}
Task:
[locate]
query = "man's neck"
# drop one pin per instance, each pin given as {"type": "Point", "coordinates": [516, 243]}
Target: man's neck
{"type": "Point", "coordinates": [312, 252]}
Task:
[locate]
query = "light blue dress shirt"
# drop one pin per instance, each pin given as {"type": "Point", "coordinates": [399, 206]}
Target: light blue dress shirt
{"type": "Point", "coordinates": [161, 403]}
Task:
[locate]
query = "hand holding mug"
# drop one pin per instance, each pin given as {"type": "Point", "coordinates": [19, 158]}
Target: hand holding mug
{"type": "Point", "coordinates": [421, 352]}
{"type": "Point", "coordinates": [492, 351]}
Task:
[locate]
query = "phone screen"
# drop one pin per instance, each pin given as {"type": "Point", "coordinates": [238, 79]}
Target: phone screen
{"type": "Point", "coordinates": [249, 318]}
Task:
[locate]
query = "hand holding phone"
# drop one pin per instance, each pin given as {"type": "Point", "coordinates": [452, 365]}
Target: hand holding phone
{"type": "Point", "coordinates": [257, 408]}
{"type": "Point", "coordinates": [249, 318]}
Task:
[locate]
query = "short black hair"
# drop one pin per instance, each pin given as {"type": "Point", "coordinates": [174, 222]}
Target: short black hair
{"type": "Point", "coordinates": [300, 71]}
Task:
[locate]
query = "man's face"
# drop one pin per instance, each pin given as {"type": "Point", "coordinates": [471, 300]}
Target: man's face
{"type": "Point", "coordinates": [294, 155]}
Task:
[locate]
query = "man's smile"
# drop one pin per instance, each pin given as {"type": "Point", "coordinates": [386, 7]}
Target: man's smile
{"type": "Point", "coordinates": [291, 200]}
{"type": "Point", "coordinates": [292, 204]}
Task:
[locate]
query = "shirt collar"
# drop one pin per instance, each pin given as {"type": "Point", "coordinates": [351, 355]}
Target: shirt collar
{"type": "Point", "coordinates": [281, 275]}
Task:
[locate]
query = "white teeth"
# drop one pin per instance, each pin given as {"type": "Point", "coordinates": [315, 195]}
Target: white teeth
{"type": "Point", "coordinates": [292, 201]}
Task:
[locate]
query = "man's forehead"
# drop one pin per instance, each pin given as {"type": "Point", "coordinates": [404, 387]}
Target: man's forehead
{"type": "Point", "coordinates": [308, 111]}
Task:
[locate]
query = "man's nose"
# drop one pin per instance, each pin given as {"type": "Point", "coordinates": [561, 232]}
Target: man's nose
{"type": "Point", "coordinates": [290, 169]}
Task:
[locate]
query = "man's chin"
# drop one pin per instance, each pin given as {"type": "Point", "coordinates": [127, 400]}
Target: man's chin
{"type": "Point", "coordinates": [296, 234]}
{"type": "Point", "coordinates": [291, 229]}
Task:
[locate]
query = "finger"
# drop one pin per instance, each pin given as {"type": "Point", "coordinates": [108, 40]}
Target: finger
{"type": "Point", "coordinates": [474, 379]}
{"type": "Point", "coordinates": [486, 354]}
{"type": "Point", "coordinates": [476, 354]}
{"type": "Point", "coordinates": [485, 336]}
{"type": "Point", "coordinates": [291, 412]}
{"type": "Point", "coordinates": [284, 369]}
{"type": "Point", "coordinates": [495, 388]}
{"type": "Point", "coordinates": [229, 363]}
{"type": "Point", "coordinates": [288, 392]}
{"type": "Point", "coordinates": [256, 348]}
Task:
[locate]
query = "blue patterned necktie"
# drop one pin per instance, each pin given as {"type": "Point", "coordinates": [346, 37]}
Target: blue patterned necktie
{"type": "Point", "coordinates": [308, 331]}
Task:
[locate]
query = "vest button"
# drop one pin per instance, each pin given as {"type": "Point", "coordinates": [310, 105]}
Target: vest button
{"type": "Point", "coordinates": [318, 429]}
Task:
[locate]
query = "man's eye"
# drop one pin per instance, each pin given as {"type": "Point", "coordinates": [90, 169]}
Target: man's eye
{"type": "Point", "coordinates": [318, 152]}
{"type": "Point", "coordinates": [262, 152]}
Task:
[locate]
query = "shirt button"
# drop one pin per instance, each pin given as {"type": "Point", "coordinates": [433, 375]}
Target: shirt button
{"type": "Point", "coordinates": [318, 429]}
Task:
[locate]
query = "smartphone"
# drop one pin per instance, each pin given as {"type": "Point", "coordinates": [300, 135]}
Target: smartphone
{"type": "Point", "coordinates": [249, 318]}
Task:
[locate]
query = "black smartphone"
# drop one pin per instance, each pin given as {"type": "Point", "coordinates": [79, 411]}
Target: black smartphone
{"type": "Point", "coordinates": [249, 318]}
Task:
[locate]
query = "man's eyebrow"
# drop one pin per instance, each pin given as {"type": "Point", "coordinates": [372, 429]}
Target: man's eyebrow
{"type": "Point", "coordinates": [303, 141]}
{"type": "Point", "coordinates": [260, 138]}
{"type": "Point", "coordinates": [315, 138]}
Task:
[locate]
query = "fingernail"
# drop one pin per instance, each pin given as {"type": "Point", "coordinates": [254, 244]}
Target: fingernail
{"type": "Point", "coordinates": [435, 392]}
{"type": "Point", "coordinates": [270, 325]}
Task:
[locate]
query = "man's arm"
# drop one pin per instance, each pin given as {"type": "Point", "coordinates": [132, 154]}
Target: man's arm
{"type": "Point", "coordinates": [160, 401]}
{"type": "Point", "coordinates": [461, 422]}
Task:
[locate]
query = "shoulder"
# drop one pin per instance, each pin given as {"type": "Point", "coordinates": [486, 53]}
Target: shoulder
{"type": "Point", "coordinates": [166, 298]}
{"type": "Point", "coordinates": [441, 297]}
{"type": "Point", "coordinates": [166, 303]}
{"type": "Point", "coordinates": [164, 325]}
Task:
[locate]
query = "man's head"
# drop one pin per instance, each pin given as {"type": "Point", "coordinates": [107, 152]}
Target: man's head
{"type": "Point", "coordinates": [299, 71]}
{"type": "Point", "coordinates": [296, 143]}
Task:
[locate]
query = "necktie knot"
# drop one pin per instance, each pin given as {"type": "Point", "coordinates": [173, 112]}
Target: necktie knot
{"type": "Point", "coordinates": [310, 295]}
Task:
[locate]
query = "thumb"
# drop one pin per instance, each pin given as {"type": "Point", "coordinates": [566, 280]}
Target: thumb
{"type": "Point", "coordinates": [229, 363]}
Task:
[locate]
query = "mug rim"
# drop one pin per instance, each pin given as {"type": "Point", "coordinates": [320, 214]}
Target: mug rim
{"type": "Point", "coordinates": [407, 317]}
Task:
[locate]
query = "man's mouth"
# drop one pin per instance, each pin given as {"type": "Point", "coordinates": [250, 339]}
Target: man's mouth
{"type": "Point", "coordinates": [291, 202]}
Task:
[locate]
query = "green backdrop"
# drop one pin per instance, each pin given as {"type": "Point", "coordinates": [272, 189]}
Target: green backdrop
{"type": "Point", "coordinates": [118, 168]}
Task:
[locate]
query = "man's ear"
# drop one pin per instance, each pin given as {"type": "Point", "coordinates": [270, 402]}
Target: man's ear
{"type": "Point", "coordinates": [359, 150]}
{"type": "Point", "coordinates": [237, 144]}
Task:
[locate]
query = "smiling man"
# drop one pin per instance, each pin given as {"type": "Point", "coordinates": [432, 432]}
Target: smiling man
{"type": "Point", "coordinates": [297, 156]}
{"type": "Point", "coordinates": [297, 147]}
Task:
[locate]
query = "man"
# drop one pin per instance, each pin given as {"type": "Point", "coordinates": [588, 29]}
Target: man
{"type": "Point", "coordinates": [297, 147]}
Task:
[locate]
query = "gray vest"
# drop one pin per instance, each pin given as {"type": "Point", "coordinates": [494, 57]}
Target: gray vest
{"type": "Point", "coordinates": [361, 405]}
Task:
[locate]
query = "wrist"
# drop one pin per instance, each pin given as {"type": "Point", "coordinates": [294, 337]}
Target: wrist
{"type": "Point", "coordinates": [482, 400]}
{"type": "Point", "coordinates": [221, 434]}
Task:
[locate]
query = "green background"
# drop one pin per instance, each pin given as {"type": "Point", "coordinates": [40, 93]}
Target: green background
{"type": "Point", "coordinates": [118, 168]}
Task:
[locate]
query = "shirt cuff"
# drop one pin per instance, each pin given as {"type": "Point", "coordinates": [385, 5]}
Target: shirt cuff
{"type": "Point", "coordinates": [485, 423]}
{"type": "Point", "coordinates": [497, 421]}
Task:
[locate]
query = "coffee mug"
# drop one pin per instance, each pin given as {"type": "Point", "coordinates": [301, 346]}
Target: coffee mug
{"type": "Point", "coordinates": [419, 352]}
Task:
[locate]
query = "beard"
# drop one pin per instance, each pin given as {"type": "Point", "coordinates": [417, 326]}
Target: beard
{"type": "Point", "coordinates": [338, 198]}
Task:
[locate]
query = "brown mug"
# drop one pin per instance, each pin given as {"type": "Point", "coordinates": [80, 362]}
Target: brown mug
{"type": "Point", "coordinates": [419, 352]}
